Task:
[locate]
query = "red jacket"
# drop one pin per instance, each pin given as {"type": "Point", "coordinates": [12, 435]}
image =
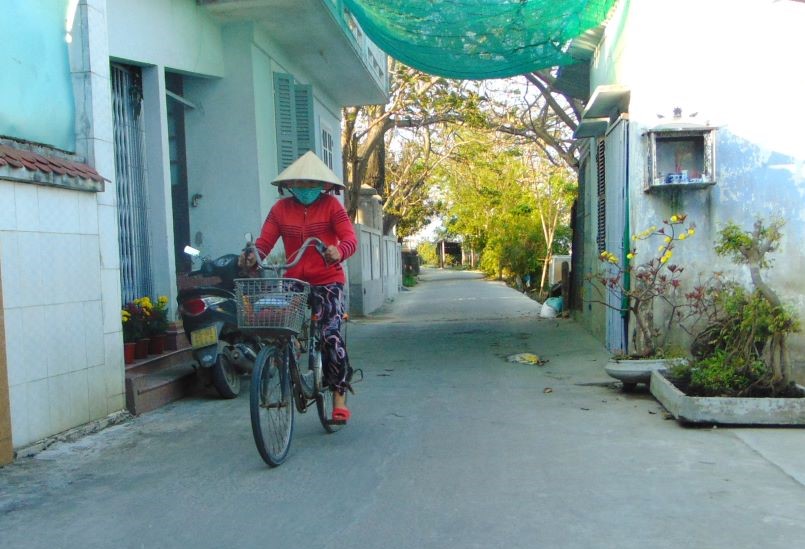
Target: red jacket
{"type": "Point", "coordinates": [326, 219]}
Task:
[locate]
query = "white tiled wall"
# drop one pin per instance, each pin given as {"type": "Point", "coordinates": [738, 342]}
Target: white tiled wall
{"type": "Point", "coordinates": [63, 340]}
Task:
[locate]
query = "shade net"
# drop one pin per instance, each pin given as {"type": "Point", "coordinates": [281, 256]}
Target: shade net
{"type": "Point", "coordinates": [478, 39]}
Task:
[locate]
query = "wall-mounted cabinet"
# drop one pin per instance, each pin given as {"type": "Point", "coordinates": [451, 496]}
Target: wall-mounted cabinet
{"type": "Point", "coordinates": [681, 157]}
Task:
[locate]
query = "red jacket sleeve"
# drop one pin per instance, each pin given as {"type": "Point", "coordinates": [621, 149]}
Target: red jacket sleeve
{"type": "Point", "coordinates": [347, 241]}
{"type": "Point", "coordinates": [270, 232]}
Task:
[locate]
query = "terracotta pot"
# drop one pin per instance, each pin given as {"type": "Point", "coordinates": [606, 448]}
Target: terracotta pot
{"type": "Point", "coordinates": [128, 352]}
{"type": "Point", "coordinates": [157, 345]}
{"type": "Point", "coordinates": [141, 351]}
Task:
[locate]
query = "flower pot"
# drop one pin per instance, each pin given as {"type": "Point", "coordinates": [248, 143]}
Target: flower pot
{"type": "Point", "coordinates": [141, 349]}
{"type": "Point", "coordinates": [634, 371]}
{"type": "Point", "coordinates": [128, 352]}
{"type": "Point", "coordinates": [157, 345]}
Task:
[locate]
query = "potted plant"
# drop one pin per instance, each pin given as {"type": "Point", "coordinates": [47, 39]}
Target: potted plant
{"type": "Point", "coordinates": [650, 292]}
{"type": "Point", "coordinates": [741, 369]}
{"type": "Point", "coordinates": [133, 330]}
{"type": "Point", "coordinates": [157, 324]}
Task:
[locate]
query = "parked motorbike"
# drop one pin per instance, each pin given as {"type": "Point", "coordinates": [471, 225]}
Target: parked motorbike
{"type": "Point", "coordinates": [209, 316]}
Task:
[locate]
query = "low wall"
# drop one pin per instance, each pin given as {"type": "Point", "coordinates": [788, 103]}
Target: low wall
{"type": "Point", "coordinates": [374, 271]}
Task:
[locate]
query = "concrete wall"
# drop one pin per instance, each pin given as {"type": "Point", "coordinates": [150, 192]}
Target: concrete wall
{"type": "Point", "coordinates": [733, 68]}
{"type": "Point", "coordinates": [375, 271]}
{"type": "Point", "coordinates": [60, 268]}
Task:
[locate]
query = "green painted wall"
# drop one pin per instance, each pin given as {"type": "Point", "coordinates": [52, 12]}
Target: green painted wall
{"type": "Point", "coordinates": [36, 93]}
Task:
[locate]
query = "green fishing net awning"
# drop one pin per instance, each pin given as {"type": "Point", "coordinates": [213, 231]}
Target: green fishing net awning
{"type": "Point", "coordinates": [478, 39]}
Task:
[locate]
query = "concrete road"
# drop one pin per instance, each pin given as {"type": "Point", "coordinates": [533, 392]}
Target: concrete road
{"type": "Point", "coordinates": [450, 446]}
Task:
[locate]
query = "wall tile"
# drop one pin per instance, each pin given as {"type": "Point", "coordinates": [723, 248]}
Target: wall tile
{"type": "Point", "coordinates": [9, 251]}
{"type": "Point", "coordinates": [110, 250]}
{"type": "Point", "coordinates": [88, 286]}
{"type": "Point", "coordinates": [28, 262]}
{"type": "Point", "coordinates": [88, 213]}
{"type": "Point", "coordinates": [69, 405]}
{"type": "Point", "coordinates": [58, 210]}
{"type": "Point", "coordinates": [20, 432]}
{"type": "Point", "coordinates": [35, 332]}
{"type": "Point", "coordinates": [93, 332]}
{"type": "Point", "coordinates": [39, 410]}
{"type": "Point", "coordinates": [115, 403]}
{"type": "Point", "coordinates": [102, 127]}
{"type": "Point", "coordinates": [65, 349]}
{"type": "Point", "coordinates": [110, 286]}
{"type": "Point", "coordinates": [64, 257]}
{"type": "Point", "coordinates": [8, 210]}
{"type": "Point", "coordinates": [27, 206]}
{"type": "Point", "coordinates": [114, 373]}
{"type": "Point", "coordinates": [96, 386]}
{"type": "Point", "coordinates": [15, 349]}
{"type": "Point", "coordinates": [103, 159]}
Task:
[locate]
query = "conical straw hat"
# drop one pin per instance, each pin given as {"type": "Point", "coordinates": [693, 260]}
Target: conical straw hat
{"type": "Point", "coordinates": [308, 167]}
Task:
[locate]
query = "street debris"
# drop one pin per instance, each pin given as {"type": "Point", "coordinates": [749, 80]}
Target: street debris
{"type": "Point", "coordinates": [527, 358]}
{"type": "Point", "coordinates": [547, 390]}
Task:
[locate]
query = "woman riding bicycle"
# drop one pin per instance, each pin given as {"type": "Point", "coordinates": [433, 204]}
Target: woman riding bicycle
{"type": "Point", "coordinates": [312, 211]}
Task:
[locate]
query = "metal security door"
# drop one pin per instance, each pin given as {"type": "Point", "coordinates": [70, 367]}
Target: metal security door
{"type": "Point", "coordinates": [135, 262]}
{"type": "Point", "coordinates": [617, 187]}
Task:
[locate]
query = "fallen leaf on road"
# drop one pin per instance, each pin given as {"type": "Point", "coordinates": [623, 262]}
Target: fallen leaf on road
{"type": "Point", "coordinates": [547, 390]}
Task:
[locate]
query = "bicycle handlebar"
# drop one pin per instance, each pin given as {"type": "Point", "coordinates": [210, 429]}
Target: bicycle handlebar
{"type": "Point", "coordinates": [280, 268]}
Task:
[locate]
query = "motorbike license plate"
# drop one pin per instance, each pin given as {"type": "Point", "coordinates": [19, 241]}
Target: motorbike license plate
{"type": "Point", "coordinates": [203, 337]}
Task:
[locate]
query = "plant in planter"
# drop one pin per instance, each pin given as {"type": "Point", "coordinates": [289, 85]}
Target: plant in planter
{"type": "Point", "coordinates": [133, 329]}
{"type": "Point", "coordinates": [157, 323]}
{"type": "Point", "coordinates": [650, 292]}
{"type": "Point", "coordinates": [742, 350]}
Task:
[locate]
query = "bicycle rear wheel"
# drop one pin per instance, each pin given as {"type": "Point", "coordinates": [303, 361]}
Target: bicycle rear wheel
{"type": "Point", "coordinates": [271, 404]}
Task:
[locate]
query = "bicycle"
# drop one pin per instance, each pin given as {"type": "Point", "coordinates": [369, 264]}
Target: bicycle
{"type": "Point", "coordinates": [277, 311]}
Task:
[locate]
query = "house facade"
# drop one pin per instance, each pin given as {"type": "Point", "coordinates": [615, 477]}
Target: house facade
{"type": "Point", "coordinates": [690, 107]}
{"type": "Point", "coordinates": [175, 115]}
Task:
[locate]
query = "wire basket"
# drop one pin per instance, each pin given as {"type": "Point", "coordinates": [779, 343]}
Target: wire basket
{"type": "Point", "coordinates": [274, 305]}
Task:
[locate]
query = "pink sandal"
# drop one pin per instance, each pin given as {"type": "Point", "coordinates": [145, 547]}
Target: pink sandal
{"type": "Point", "coordinates": [340, 416]}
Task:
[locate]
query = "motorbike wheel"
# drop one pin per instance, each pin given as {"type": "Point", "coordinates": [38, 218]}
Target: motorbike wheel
{"type": "Point", "coordinates": [225, 378]}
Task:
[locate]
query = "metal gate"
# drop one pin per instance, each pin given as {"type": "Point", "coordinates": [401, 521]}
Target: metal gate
{"type": "Point", "coordinates": [132, 199]}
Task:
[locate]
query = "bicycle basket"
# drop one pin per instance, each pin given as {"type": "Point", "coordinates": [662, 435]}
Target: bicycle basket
{"type": "Point", "coordinates": [271, 304]}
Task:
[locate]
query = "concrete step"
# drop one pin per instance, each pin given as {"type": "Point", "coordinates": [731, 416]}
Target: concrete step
{"type": "Point", "coordinates": [157, 380]}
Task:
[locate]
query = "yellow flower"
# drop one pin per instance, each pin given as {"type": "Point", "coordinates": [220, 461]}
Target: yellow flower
{"type": "Point", "coordinates": [664, 258]}
{"type": "Point", "coordinates": [667, 239]}
{"type": "Point", "coordinates": [125, 315]}
{"type": "Point", "coordinates": [674, 219]}
{"type": "Point", "coordinates": [162, 300]}
{"type": "Point", "coordinates": [661, 248]}
{"type": "Point", "coordinates": [630, 256]}
{"type": "Point", "coordinates": [691, 231]}
{"type": "Point", "coordinates": [683, 236]}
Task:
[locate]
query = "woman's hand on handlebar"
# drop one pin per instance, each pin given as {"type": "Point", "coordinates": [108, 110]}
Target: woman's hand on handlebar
{"type": "Point", "coordinates": [332, 255]}
{"type": "Point", "coordinates": [247, 260]}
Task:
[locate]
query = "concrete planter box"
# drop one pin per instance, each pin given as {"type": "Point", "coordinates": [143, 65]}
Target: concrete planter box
{"type": "Point", "coordinates": [727, 410]}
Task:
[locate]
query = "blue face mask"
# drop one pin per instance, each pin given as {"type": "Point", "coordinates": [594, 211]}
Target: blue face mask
{"type": "Point", "coordinates": [307, 196]}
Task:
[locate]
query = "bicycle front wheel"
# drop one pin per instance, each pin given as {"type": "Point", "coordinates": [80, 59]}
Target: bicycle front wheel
{"type": "Point", "coordinates": [271, 403]}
